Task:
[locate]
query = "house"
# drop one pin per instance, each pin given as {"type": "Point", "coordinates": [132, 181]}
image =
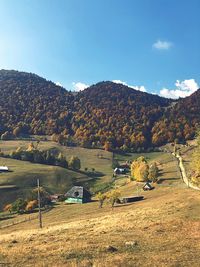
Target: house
{"type": "Point", "coordinates": [4, 169]}
{"type": "Point", "coordinates": [78, 194]}
{"type": "Point", "coordinates": [119, 171]}
{"type": "Point", "coordinates": [147, 186]}
{"type": "Point", "coordinates": [56, 197]}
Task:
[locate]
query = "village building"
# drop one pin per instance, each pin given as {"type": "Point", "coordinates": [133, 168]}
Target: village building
{"type": "Point", "coordinates": [56, 197]}
{"type": "Point", "coordinates": [4, 169]}
{"type": "Point", "coordinates": [119, 171]}
{"type": "Point", "coordinates": [147, 186]}
{"type": "Point", "coordinates": [78, 194]}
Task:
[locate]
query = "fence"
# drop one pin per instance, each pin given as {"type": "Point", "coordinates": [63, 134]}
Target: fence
{"type": "Point", "coordinates": [26, 219]}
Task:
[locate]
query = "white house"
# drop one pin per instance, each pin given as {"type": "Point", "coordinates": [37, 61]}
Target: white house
{"type": "Point", "coordinates": [4, 169]}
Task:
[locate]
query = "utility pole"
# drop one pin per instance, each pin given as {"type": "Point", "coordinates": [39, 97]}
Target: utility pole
{"type": "Point", "coordinates": [39, 203]}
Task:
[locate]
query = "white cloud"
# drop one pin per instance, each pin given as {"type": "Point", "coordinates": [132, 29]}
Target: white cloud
{"type": "Point", "coordinates": [183, 89]}
{"type": "Point", "coordinates": [79, 86]}
{"type": "Point", "coordinates": [136, 87]}
{"type": "Point", "coordinates": [162, 45]}
{"type": "Point", "coordinates": [59, 84]}
{"type": "Point", "coordinates": [119, 81]}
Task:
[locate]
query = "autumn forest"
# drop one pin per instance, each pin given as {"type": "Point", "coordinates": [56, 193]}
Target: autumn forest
{"type": "Point", "coordinates": [106, 115]}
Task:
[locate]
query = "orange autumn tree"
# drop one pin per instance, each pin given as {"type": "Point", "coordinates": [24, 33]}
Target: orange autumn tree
{"type": "Point", "coordinates": [107, 146]}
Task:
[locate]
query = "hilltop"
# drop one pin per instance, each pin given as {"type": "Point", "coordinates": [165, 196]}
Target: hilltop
{"type": "Point", "coordinates": [107, 112]}
{"type": "Point", "coordinates": [32, 104]}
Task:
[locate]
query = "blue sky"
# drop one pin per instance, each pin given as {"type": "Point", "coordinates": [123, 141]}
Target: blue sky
{"type": "Point", "coordinates": [152, 45]}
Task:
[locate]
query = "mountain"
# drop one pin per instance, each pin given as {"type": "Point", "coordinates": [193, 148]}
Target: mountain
{"type": "Point", "coordinates": [32, 104]}
{"type": "Point", "coordinates": [118, 114]}
{"type": "Point", "coordinates": [180, 121]}
{"type": "Point", "coordinates": [105, 113]}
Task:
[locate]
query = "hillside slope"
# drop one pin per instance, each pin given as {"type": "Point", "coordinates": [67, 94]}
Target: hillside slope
{"type": "Point", "coordinates": [22, 176]}
{"type": "Point", "coordinates": [162, 230]}
{"type": "Point", "coordinates": [22, 179]}
{"type": "Point", "coordinates": [105, 112]}
{"type": "Point", "coordinates": [118, 114]}
{"type": "Point", "coordinates": [32, 105]}
{"type": "Point", "coordinates": [180, 121]}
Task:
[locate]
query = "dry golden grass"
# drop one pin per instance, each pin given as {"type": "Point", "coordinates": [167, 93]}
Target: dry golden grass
{"type": "Point", "coordinates": [165, 226]}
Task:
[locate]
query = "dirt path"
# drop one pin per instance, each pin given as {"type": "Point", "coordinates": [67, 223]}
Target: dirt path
{"type": "Point", "coordinates": [184, 174]}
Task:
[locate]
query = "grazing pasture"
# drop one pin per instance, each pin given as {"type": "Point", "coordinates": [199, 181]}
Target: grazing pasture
{"type": "Point", "coordinates": [161, 230]}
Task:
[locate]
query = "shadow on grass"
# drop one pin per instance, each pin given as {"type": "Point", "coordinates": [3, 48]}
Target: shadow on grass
{"type": "Point", "coordinates": [167, 179]}
{"type": "Point", "coordinates": [6, 218]}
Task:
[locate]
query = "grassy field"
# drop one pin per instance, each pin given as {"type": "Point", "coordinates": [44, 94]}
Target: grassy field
{"type": "Point", "coordinates": [151, 156]}
{"type": "Point", "coordinates": [161, 230]}
{"type": "Point", "coordinates": [55, 179]}
{"type": "Point", "coordinates": [100, 160]}
{"type": "Point", "coordinates": [22, 176]}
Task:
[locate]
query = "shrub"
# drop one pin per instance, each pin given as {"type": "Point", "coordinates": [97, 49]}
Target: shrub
{"type": "Point", "coordinates": [44, 196]}
{"type": "Point", "coordinates": [101, 198]}
{"type": "Point", "coordinates": [31, 205]}
{"type": "Point", "coordinates": [75, 163]}
{"type": "Point", "coordinates": [19, 205]}
{"type": "Point", "coordinates": [8, 207]}
{"type": "Point", "coordinates": [113, 197]}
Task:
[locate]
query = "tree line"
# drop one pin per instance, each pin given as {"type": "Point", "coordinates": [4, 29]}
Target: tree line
{"type": "Point", "coordinates": [34, 155]}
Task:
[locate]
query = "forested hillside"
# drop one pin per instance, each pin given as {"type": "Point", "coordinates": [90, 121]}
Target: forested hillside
{"type": "Point", "coordinates": [117, 114]}
{"type": "Point", "coordinates": [30, 104]}
{"type": "Point", "coordinates": [105, 114]}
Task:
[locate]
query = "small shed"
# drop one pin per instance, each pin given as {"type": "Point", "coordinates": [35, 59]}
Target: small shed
{"type": "Point", "coordinates": [56, 197]}
{"type": "Point", "coordinates": [147, 186]}
{"type": "Point", "coordinates": [119, 171]}
{"type": "Point", "coordinates": [4, 169]}
{"type": "Point", "coordinates": [78, 194]}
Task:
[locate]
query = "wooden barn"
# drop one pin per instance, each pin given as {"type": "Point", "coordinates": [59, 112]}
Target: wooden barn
{"type": "Point", "coordinates": [78, 194]}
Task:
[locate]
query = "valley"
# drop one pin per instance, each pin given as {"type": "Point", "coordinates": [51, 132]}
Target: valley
{"type": "Point", "coordinates": [144, 233]}
{"type": "Point", "coordinates": [104, 127]}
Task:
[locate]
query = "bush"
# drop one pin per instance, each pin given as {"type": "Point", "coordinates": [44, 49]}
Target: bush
{"type": "Point", "coordinates": [101, 198]}
{"type": "Point", "coordinates": [113, 197]}
{"type": "Point", "coordinates": [8, 207]}
{"type": "Point", "coordinates": [31, 205]}
{"type": "Point", "coordinates": [75, 163]}
{"type": "Point", "coordinates": [45, 199]}
{"type": "Point", "coordinates": [19, 205]}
